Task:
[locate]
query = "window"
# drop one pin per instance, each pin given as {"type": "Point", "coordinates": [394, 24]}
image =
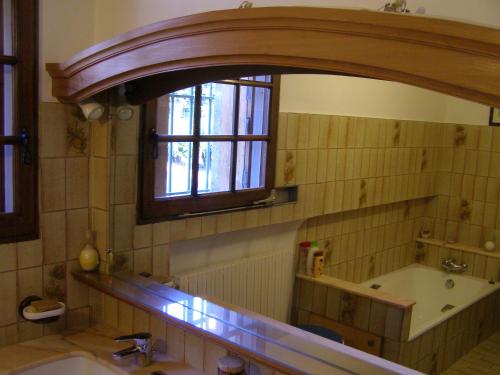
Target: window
{"type": "Point", "coordinates": [18, 114]}
{"type": "Point", "coordinates": [209, 147]}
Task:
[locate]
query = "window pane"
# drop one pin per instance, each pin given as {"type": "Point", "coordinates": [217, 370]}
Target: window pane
{"type": "Point", "coordinates": [251, 165]}
{"type": "Point", "coordinates": [173, 169]}
{"type": "Point", "coordinates": [7, 178]}
{"type": "Point", "coordinates": [214, 168]}
{"type": "Point", "coordinates": [176, 112]}
{"type": "Point", "coordinates": [217, 109]}
{"type": "Point", "coordinates": [258, 78]}
{"type": "Point", "coordinates": [254, 110]}
{"type": "Point", "coordinates": [8, 105]}
{"type": "Point", "coordinates": [7, 27]}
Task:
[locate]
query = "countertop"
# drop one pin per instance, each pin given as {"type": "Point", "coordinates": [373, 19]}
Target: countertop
{"type": "Point", "coordinates": [95, 343]}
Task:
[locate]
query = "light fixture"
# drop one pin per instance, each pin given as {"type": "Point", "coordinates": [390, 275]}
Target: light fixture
{"type": "Point", "coordinates": [92, 111]}
{"type": "Point", "coordinates": [124, 112]}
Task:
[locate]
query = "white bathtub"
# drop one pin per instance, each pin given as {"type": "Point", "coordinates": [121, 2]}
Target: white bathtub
{"type": "Point", "coordinates": [426, 286]}
{"type": "Point", "coordinates": [77, 365]}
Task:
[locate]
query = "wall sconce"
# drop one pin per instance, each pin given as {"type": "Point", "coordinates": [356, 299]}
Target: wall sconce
{"type": "Point", "coordinates": [124, 112]}
{"type": "Point", "coordinates": [92, 111]}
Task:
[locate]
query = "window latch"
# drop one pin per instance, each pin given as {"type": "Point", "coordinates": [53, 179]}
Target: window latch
{"type": "Point", "coordinates": [24, 139]}
{"type": "Point", "coordinates": [153, 140]}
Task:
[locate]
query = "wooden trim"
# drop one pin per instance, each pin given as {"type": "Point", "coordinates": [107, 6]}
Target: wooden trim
{"type": "Point", "coordinates": [360, 290]}
{"type": "Point", "coordinates": [22, 224]}
{"type": "Point", "coordinates": [450, 57]}
{"type": "Point", "coordinates": [154, 209]}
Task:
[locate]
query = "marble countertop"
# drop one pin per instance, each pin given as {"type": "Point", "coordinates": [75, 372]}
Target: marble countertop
{"type": "Point", "coordinates": [94, 343]}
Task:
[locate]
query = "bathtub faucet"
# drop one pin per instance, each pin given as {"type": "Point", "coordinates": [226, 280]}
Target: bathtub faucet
{"type": "Point", "coordinates": [142, 348]}
{"type": "Point", "coordinates": [451, 265]}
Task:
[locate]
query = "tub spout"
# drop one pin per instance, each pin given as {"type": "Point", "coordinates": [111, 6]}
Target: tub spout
{"type": "Point", "coordinates": [451, 265]}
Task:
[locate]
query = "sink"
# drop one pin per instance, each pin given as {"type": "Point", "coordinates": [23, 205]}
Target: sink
{"type": "Point", "coordinates": [78, 365]}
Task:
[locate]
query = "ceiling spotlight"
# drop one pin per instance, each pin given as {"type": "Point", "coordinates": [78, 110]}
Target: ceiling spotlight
{"type": "Point", "coordinates": [92, 111]}
{"type": "Point", "coordinates": [124, 112]}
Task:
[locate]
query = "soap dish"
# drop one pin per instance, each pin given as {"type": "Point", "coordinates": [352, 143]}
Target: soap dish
{"type": "Point", "coordinates": [29, 312]}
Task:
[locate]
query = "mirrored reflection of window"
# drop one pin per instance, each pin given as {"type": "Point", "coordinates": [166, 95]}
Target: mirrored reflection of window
{"type": "Point", "coordinates": [18, 113]}
{"type": "Point", "coordinates": [214, 146]}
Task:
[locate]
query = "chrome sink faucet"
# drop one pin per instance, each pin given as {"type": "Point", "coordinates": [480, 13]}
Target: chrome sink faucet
{"type": "Point", "coordinates": [142, 348]}
{"type": "Point", "coordinates": [451, 265]}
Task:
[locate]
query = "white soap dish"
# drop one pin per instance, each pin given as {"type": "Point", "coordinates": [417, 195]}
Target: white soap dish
{"type": "Point", "coordinates": [29, 312]}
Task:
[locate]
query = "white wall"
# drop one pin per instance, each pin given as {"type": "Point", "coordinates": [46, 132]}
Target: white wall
{"type": "Point", "coordinates": [71, 25]}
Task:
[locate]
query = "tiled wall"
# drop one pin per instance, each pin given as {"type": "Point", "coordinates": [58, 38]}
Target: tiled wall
{"type": "Point", "coordinates": [468, 183]}
{"type": "Point", "coordinates": [368, 242]}
{"type": "Point", "coordinates": [41, 267]}
{"type": "Point", "coordinates": [437, 349]}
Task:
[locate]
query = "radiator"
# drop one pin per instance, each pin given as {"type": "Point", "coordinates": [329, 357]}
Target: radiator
{"type": "Point", "coordinates": [262, 284]}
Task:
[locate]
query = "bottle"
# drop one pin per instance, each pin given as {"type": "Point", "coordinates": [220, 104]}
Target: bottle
{"type": "Point", "coordinates": [318, 264]}
{"type": "Point", "coordinates": [89, 257]}
{"type": "Point", "coordinates": [303, 251]}
{"type": "Point", "coordinates": [310, 257]}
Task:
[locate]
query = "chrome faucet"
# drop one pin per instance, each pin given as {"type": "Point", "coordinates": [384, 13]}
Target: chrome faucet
{"type": "Point", "coordinates": [142, 348]}
{"type": "Point", "coordinates": [451, 265]}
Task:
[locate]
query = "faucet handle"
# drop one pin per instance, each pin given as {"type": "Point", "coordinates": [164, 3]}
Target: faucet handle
{"type": "Point", "coordinates": [134, 337]}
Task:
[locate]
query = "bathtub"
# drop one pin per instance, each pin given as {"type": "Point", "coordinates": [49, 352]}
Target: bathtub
{"type": "Point", "coordinates": [435, 302]}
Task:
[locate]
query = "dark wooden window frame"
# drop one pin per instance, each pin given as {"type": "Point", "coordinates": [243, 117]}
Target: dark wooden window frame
{"type": "Point", "coordinates": [151, 209]}
{"type": "Point", "coordinates": [22, 223]}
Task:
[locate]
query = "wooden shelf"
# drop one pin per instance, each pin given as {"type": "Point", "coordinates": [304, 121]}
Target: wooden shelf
{"type": "Point", "coordinates": [459, 246]}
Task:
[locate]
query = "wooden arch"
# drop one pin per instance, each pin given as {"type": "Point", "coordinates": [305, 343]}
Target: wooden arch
{"type": "Point", "coordinates": [450, 57]}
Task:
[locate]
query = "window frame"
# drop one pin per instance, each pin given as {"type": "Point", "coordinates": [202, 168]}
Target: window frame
{"type": "Point", "coordinates": [22, 223]}
{"type": "Point", "coordinates": [152, 210]}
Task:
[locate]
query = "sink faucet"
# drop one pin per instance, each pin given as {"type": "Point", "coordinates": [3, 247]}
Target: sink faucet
{"type": "Point", "coordinates": [450, 265]}
{"type": "Point", "coordinates": [142, 348]}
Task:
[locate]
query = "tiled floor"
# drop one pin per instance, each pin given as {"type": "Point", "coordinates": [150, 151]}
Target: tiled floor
{"type": "Point", "coordinates": [484, 359]}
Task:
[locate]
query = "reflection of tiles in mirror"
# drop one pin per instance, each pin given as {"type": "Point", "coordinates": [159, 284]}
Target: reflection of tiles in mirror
{"type": "Point", "coordinates": [483, 359]}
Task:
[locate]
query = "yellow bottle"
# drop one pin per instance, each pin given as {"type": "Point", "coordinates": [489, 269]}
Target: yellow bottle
{"type": "Point", "coordinates": [89, 257]}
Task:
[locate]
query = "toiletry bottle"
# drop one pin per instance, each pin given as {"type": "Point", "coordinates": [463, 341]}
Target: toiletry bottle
{"type": "Point", "coordinates": [89, 257]}
{"type": "Point", "coordinates": [318, 263]}
{"type": "Point", "coordinates": [303, 251]}
{"type": "Point", "coordinates": [310, 257]}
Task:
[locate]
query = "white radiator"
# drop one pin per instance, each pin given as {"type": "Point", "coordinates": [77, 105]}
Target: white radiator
{"type": "Point", "coordinates": [262, 284]}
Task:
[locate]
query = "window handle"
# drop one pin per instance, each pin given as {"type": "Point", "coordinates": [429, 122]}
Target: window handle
{"type": "Point", "coordinates": [24, 139]}
{"type": "Point", "coordinates": [153, 139]}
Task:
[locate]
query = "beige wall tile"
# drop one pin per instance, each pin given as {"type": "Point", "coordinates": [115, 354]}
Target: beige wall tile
{"type": "Point", "coordinates": [100, 227]}
{"type": "Point", "coordinates": [52, 129]}
{"type": "Point", "coordinates": [126, 134]}
{"type": "Point", "coordinates": [99, 182]}
{"type": "Point", "coordinates": [29, 331]}
{"type": "Point", "coordinates": [77, 223]}
{"type": "Point", "coordinates": [77, 182]}
{"type": "Point", "coordinates": [161, 260]}
{"type": "Point", "coordinates": [110, 311]}
{"type": "Point", "coordinates": [77, 293]}
{"type": "Point", "coordinates": [292, 131]}
{"type": "Point", "coordinates": [125, 179]}
{"type": "Point", "coordinates": [175, 342]}
{"type": "Point", "coordinates": [141, 320]}
{"type": "Point", "coordinates": [100, 138]}
{"type": "Point", "coordinates": [143, 260]}
{"type": "Point", "coordinates": [194, 350]}
{"type": "Point", "coordinates": [29, 282]}
{"type": "Point", "coordinates": [125, 317]}
{"type": "Point", "coordinates": [9, 257]}
{"type": "Point", "coordinates": [158, 329]}
{"type": "Point", "coordinates": [53, 184]}
{"type": "Point", "coordinates": [124, 223]}
{"type": "Point", "coordinates": [161, 233]}
{"type": "Point", "coordinates": [29, 254]}
{"type": "Point", "coordinates": [53, 228]}
{"type": "Point", "coordinates": [8, 296]}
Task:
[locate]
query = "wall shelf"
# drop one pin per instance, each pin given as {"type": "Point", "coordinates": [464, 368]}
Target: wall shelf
{"type": "Point", "coordinates": [459, 246]}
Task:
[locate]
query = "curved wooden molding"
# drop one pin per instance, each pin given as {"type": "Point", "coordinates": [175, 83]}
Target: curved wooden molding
{"type": "Point", "coordinates": [449, 57]}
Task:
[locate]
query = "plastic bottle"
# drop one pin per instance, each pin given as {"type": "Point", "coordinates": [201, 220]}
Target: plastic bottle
{"type": "Point", "coordinates": [310, 257]}
{"type": "Point", "coordinates": [303, 253]}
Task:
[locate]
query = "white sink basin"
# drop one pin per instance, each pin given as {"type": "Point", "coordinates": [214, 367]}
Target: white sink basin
{"type": "Point", "coordinates": [73, 365]}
